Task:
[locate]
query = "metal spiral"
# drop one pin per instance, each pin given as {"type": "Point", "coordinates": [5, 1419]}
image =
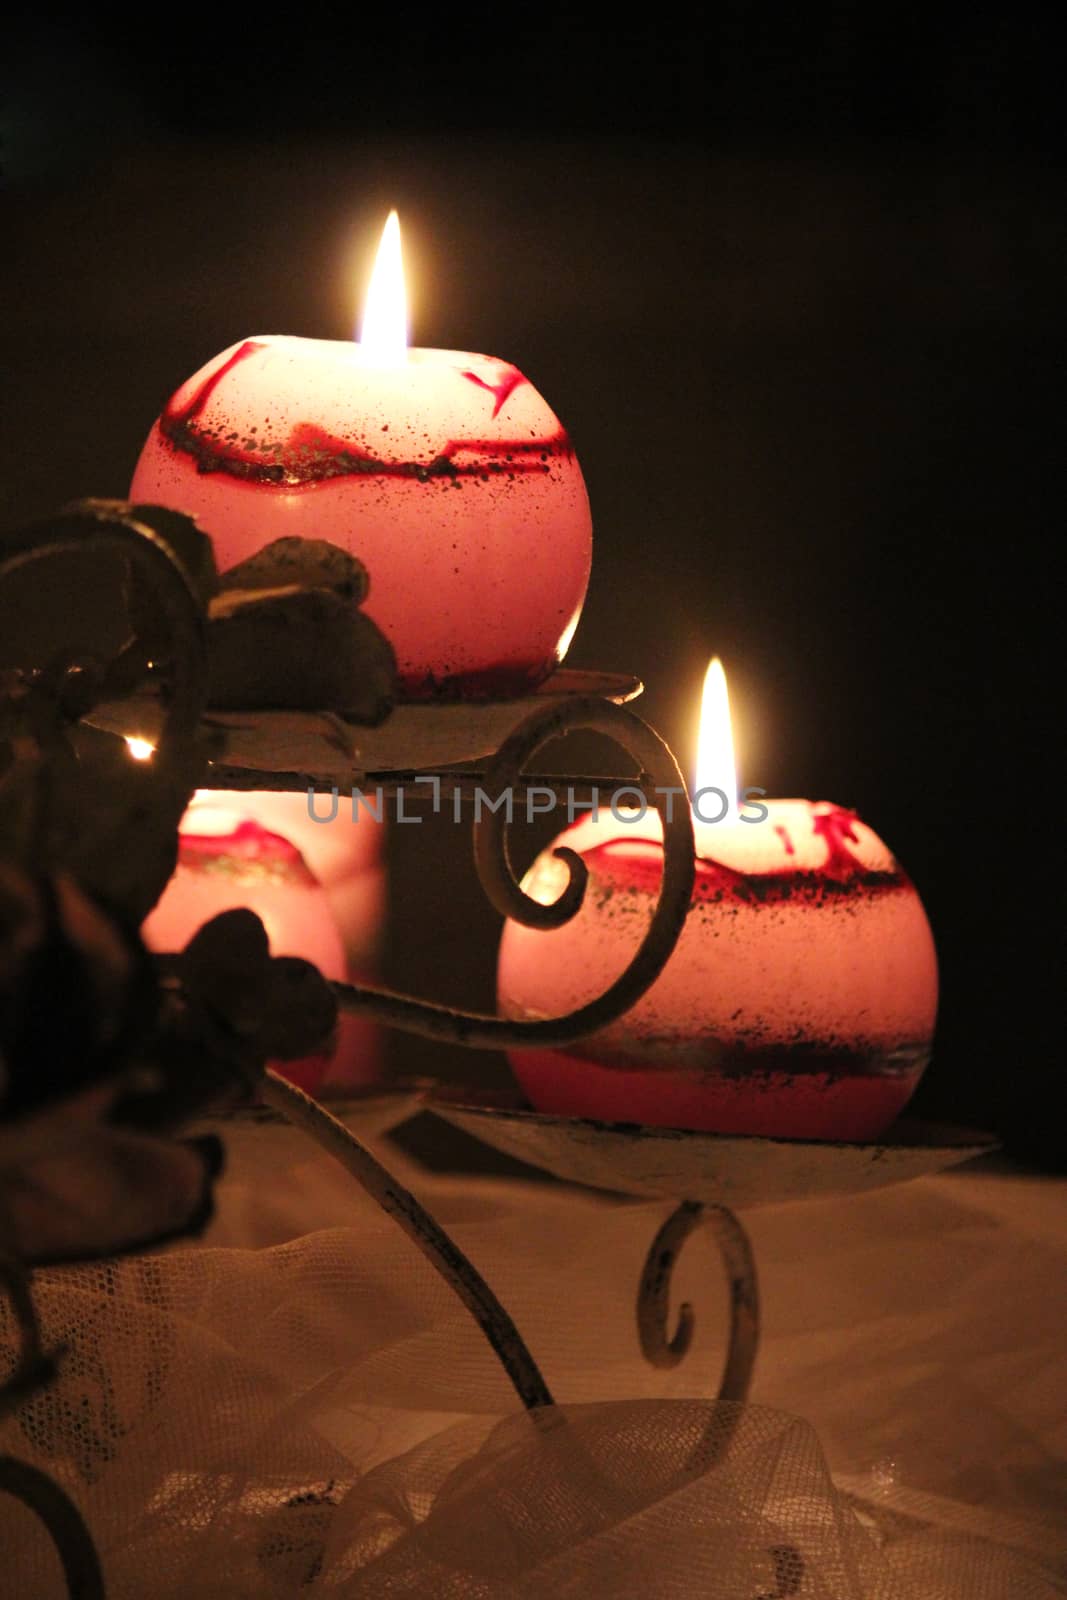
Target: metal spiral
{"type": "Point", "coordinates": [105, 524]}
{"type": "Point", "coordinates": [659, 1347]}
{"type": "Point", "coordinates": [658, 767]}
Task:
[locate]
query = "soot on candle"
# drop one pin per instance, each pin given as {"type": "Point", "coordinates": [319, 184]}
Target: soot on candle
{"type": "Point", "coordinates": [443, 471]}
{"type": "Point", "coordinates": [799, 1002]}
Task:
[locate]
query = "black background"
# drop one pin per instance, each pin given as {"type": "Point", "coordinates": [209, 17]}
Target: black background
{"type": "Point", "coordinates": [793, 281]}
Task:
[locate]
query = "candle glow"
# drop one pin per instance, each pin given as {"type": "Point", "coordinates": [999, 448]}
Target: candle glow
{"type": "Point", "coordinates": [443, 471]}
{"type": "Point", "coordinates": [801, 997]}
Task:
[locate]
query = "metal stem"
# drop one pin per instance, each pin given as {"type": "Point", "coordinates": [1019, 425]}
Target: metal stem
{"type": "Point", "coordinates": [428, 1236]}
{"type": "Point", "coordinates": [72, 1539]}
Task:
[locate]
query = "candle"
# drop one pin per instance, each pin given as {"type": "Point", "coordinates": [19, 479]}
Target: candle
{"type": "Point", "coordinates": [227, 860]}
{"type": "Point", "coordinates": [346, 858]}
{"type": "Point", "coordinates": [800, 1000]}
{"type": "Point", "coordinates": [444, 472]}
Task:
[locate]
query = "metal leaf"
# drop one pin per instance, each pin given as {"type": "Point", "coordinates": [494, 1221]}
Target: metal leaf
{"type": "Point", "coordinates": [300, 1011]}
{"type": "Point", "coordinates": [277, 1008]}
{"type": "Point", "coordinates": [305, 563]}
{"type": "Point", "coordinates": [298, 649]}
{"type": "Point", "coordinates": [226, 968]}
{"type": "Point", "coordinates": [73, 1188]}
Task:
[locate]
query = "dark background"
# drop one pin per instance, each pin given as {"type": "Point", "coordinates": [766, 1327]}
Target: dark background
{"type": "Point", "coordinates": [794, 283]}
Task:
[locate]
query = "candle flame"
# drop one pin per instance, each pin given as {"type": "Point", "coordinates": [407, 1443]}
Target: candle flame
{"type": "Point", "coordinates": [716, 767]}
{"type": "Point", "coordinates": [384, 336]}
{"type": "Point", "coordinates": [140, 749]}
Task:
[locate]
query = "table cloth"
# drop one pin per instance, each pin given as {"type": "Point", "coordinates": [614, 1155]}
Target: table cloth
{"type": "Point", "coordinates": [298, 1404]}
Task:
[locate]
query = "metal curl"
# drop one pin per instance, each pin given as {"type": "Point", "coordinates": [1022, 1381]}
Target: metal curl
{"type": "Point", "coordinates": [653, 1296]}
{"type": "Point", "coordinates": [108, 523]}
{"type": "Point", "coordinates": [505, 771]}
{"type": "Point", "coordinates": [479, 1031]}
{"type": "Point", "coordinates": [113, 523]}
{"type": "Point", "coordinates": [506, 894]}
{"type": "Point", "coordinates": [66, 1527]}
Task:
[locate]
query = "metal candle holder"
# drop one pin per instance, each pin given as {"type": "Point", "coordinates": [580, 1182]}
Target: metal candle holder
{"type": "Point", "coordinates": [256, 749]}
{"type": "Point", "coordinates": [494, 745]}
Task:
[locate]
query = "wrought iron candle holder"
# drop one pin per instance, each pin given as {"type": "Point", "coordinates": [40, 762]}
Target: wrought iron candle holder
{"type": "Point", "coordinates": [299, 749]}
{"type": "Point", "coordinates": [163, 695]}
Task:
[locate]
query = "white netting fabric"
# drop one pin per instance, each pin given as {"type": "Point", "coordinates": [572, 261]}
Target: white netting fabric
{"type": "Point", "coordinates": [318, 1416]}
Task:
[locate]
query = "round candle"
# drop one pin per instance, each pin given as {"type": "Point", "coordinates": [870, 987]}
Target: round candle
{"type": "Point", "coordinates": [444, 472]}
{"type": "Point", "coordinates": [344, 856]}
{"type": "Point", "coordinates": [799, 1002]}
{"type": "Point", "coordinates": [232, 862]}
{"type": "Point", "coordinates": [346, 859]}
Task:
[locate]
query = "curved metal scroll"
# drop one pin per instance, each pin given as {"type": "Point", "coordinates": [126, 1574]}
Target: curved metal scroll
{"type": "Point", "coordinates": [63, 1520]}
{"type": "Point", "coordinates": [102, 524]}
{"type": "Point", "coordinates": [399, 1203]}
{"type": "Point", "coordinates": [653, 1296]}
{"type": "Point", "coordinates": [658, 766]}
{"type": "Point", "coordinates": [488, 1032]}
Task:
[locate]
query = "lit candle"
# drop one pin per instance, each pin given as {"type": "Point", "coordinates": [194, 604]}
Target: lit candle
{"type": "Point", "coordinates": [281, 843]}
{"type": "Point", "coordinates": [344, 855]}
{"type": "Point", "coordinates": [445, 473]}
{"type": "Point", "coordinates": [227, 860]}
{"type": "Point", "coordinates": [346, 858]}
{"type": "Point", "coordinates": [800, 1000]}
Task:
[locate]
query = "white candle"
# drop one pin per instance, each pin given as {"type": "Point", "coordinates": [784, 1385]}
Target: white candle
{"type": "Point", "coordinates": [444, 472]}
{"type": "Point", "coordinates": [801, 998]}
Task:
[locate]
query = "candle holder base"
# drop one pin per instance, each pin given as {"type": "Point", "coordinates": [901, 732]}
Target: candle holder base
{"type": "Point", "coordinates": [708, 1174]}
{"type": "Point", "coordinates": [297, 750]}
{"type": "Point", "coordinates": [712, 1168]}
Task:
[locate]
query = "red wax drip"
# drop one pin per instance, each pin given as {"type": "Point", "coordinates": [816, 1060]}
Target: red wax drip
{"type": "Point", "coordinates": [249, 844]}
{"type": "Point", "coordinates": [638, 865]}
{"type": "Point", "coordinates": [502, 390]}
{"type": "Point", "coordinates": [836, 825]}
{"type": "Point", "coordinates": [787, 843]}
{"type": "Point", "coordinates": [310, 455]}
{"type": "Point", "coordinates": [209, 385]}
{"type": "Point", "coordinates": [502, 681]}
